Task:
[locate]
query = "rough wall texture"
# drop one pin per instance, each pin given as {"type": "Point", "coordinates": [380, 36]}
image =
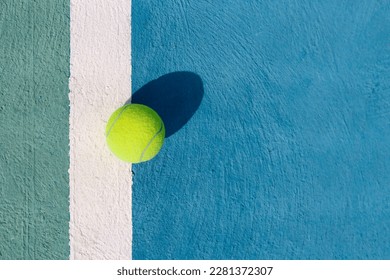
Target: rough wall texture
{"type": "Point", "coordinates": [288, 155]}
{"type": "Point", "coordinates": [34, 147]}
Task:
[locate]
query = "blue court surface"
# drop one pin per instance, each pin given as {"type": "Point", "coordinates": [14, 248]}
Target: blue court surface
{"type": "Point", "coordinates": [278, 129]}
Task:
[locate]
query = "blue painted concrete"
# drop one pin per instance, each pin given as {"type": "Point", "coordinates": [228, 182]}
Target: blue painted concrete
{"type": "Point", "coordinates": [288, 154]}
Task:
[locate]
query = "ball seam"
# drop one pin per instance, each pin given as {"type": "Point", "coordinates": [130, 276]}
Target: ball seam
{"type": "Point", "coordinates": [116, 119]}
{"type": "Point", "coordinates": [151, 140]}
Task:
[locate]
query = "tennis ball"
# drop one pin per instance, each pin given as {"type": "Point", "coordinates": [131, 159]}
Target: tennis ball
{"type": "Point", "coordinates": [135, 133]}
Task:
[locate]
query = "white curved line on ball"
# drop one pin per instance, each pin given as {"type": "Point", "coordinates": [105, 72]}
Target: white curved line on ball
{"type": "Point", "coordinates": [150, 142]}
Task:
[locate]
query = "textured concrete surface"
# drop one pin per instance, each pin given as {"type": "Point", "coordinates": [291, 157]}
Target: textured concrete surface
{"type": "Point", "coordinates": [100, 184]}
{"type": "Point", "coordinates": [288, 154]}
{"type": "Point", "coordinates": [34, 146]}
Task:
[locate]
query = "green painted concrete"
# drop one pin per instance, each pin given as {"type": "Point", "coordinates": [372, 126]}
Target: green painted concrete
{"type": "Point", "coordinates": [34, 113]}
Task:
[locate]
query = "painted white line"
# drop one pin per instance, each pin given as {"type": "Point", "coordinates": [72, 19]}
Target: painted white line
{"type": "Point", "coordinates": [100, 185]}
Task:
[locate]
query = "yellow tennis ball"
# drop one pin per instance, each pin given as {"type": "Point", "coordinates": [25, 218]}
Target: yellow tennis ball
{"type": "Point", "coordinates": [135, 133]}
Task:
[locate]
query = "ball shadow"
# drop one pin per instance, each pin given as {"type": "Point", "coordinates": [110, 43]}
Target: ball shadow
{"type": "Point", "coordinates": [175, 97]}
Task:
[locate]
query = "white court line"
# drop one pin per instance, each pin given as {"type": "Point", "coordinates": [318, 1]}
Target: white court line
{"type": "Point", "coordinates": [100, 82]}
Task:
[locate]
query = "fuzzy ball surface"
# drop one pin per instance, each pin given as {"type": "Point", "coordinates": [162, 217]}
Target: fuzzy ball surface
{"type": "Point", "coordinates": [135, 133]}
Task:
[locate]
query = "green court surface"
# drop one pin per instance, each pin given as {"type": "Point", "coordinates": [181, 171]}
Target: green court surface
{"type": "Point", "coordinates": [34, 142]}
